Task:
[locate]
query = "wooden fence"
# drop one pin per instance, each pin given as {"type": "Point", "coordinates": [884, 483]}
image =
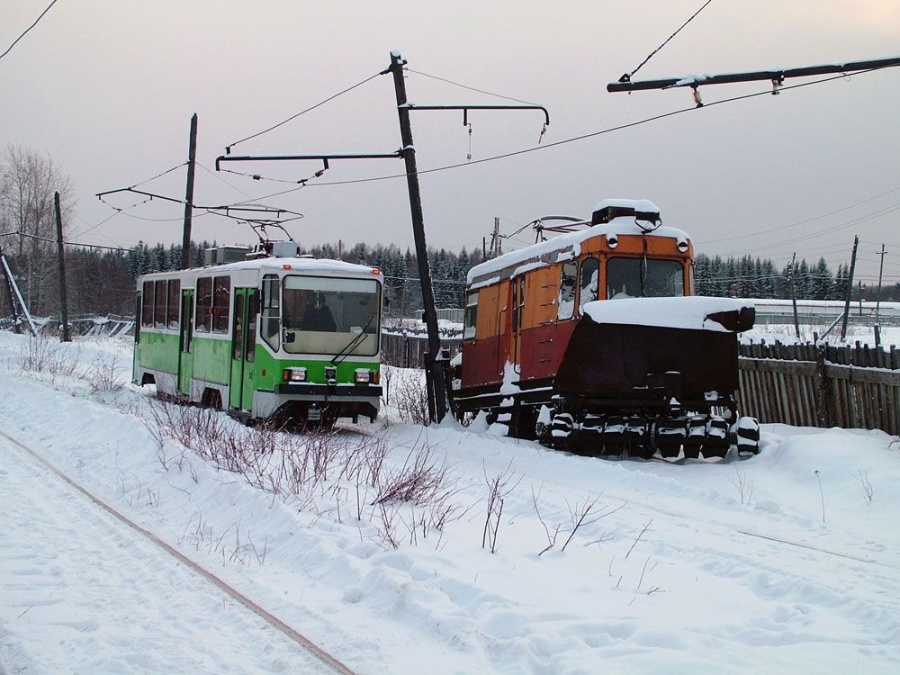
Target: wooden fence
{"type": "Point", "coordinates": [821, 386]}
{"type": "Point", "coordinates": [853, 387]}
{"type": "Point", "coordinates": [408, 350]}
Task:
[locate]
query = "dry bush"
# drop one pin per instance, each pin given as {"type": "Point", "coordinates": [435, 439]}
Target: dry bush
{"type": "Point", "coordinates": [317, 470]}
{"type": "Point", "coordinates": [409, 395]}
{"type": "Point", "coordinates": [104, 376]}
{"type": "Point", "coordinates": [43, 355]}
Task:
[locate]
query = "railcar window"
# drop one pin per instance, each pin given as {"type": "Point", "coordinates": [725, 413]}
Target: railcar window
{"type": "Point", "coordinates": [252, 312]}
{"type": "Point", "coordinates": [159, 308]}
{"type": "Point", "coordinates": [186, 326]}
{"type": "Point", "coordinates": [221, 297]}
{"type": "Point", "coordinates": [174, 295]}
{"type": "Point", "coordinates": [326, 315]}
{"type": "Point", "coordinates": [271, 312]}
{"type": "Point", "coordinates": [147, 304]}
{"type": "Point", "coordinates": [566, 301]}
{"type": "Point", "coordinates": [237, 333]}
{"type": "Point", "coordinates": [590, 273]}
{"type": "Point", "coordinates": [471, 315]}
{"type": "Point", "coordinates": [642, 277]}
{"type": "Point", "coordinates": [203, 322]}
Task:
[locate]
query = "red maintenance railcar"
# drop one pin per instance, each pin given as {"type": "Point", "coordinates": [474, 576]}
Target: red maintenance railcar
{"type": "Point", "coordinates": [652, 373]}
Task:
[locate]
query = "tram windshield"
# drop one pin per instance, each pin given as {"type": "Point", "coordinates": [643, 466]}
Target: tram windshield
{"type": "Point", "coordinates": [643, 278]}
{"type": "Point", "coordinates": [324, 315]}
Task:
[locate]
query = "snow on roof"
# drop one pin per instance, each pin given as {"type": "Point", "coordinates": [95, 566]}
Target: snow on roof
{"type": "Point", "coordinates": [623, 225]}
{"type": "Point", "coordinates": [680, 312]}
{"type": "Point", "coordinates": [637, 205]}
{"type": "Point", "coordinates": [300, 265]}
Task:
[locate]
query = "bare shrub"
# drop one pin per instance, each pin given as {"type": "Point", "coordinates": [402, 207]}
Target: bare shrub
{"type": "Point", "coordinates": [498, 489]}
{"type": "Point", "coordinates": [743, 484]}
{"type": "Point", "coordinates": [419, 480]}
{"type": "Point", "coordinates": [410, 396]}
{"type": "Point", "coordinates": [863, 478]}
{"type": "Point", "coordinates": [104, 376]}
{"type": "Point", "coordinates": [584, 515]}
{"type": "Point", "coordinates": [640, 536]}
{"type": "Point", "coordinates": [315, 468]}
{"type": "Point", "coordinates": [43, 355]}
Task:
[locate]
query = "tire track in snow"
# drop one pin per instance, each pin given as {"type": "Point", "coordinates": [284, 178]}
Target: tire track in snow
{"type": "Point", "coordinates": [34, 575]}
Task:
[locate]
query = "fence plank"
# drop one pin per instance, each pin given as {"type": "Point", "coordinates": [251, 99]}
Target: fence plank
{"type": "Point", "coordinates": [809, 385]}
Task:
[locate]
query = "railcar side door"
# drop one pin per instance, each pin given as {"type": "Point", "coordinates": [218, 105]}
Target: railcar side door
{"type": "Point", "coordinates": [518, 310]}
{"type": "Point", "coordinates": [243, 349]}
{"type": "Point", "coordinates": [185, 342]}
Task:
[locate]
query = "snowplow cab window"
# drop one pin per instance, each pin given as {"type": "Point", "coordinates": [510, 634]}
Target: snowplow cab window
{"type": "Point", "coordinates": [566, 300]}
{"type": "Point", "coordinates": [471, 316]}
{"type": "Point", "coordinates": [590, 273]}
{"type": "Point", "coordinates": [643, 278]}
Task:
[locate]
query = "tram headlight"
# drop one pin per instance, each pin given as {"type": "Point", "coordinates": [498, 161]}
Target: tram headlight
{"type": "Point", "coordinates": [294, 375]}
{"type": "Point", "coordinates": [366, 376]}
{"type": "Point", "coordinates": [331, 374]}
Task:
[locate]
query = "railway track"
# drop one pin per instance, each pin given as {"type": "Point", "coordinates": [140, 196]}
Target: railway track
{"type": "Point", "coordinates": [319, 659]}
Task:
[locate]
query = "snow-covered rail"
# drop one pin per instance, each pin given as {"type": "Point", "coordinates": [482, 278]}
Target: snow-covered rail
{"type": "Point", "coordinates": [64, 504]}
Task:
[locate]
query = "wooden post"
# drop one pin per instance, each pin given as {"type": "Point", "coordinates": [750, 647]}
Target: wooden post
{"type": "Point", "coordinates": [60, 250]}
{"type": "Point", "coordinates": [794, 294]}
{"type": "Point", "coordinates": [189, 197]}
{"type": "Point", "coordinates": [849, 289]}
{"type": "Point", "coordinates": [435, 381]}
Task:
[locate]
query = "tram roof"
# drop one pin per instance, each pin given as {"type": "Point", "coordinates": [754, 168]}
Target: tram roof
{"type": "Point", "coordinates": [325, 265]}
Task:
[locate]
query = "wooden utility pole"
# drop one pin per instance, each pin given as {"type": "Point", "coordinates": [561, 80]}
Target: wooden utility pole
{"type": "Point", "coordinates": [849, 289]}
{"type": "Point", "coordinates": [60, 250]}
{"type": "Point", "coordinates": [189, 197]}
{"type": "Point", "coordinates": [435, 381]}
{"type": "Point", "coordinates": [878, 299]}
{"type": "Point", "coordinates": [794, 294]}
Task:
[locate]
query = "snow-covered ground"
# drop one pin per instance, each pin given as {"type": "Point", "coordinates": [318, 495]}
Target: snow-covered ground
{"type": "Point", "coordinates": [785, 562]}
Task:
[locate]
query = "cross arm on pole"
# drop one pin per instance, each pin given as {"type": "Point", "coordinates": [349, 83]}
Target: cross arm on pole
{"type": "Point", "coordinates": [467, 108]}
{"type": "Point", "coordinates": [625, 84]}
{"type": "Point", "coordinates": [308, 157]}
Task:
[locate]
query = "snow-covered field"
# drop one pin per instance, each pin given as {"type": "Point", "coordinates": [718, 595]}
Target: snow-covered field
{"type": "Point", "coordinates": [785, 562]}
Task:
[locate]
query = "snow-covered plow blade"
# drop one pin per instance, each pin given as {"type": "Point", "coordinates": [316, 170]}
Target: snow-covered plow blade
{"type": "Point", "coordinates": [652, 377]}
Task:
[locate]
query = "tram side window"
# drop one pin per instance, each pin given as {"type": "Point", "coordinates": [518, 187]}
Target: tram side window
{"type": "Point", "coordinates": [471, 315]}
{"type": "Point", "coordinates": [271, 310]}
{"type": "Point", "coordinates": [147, 304]}
{"type": "Point", "coordinates": [221, 298]}
{"type": "Point", "coordinates": [590, 274]}
{"type": "Point", "coordinates": [252, 312]}
{"type": "Point", "coordinates": [174, 295]}
{"type": "Point", "coordinates": [159, 309]}
{"type": "Point", "coordinates": [203, 320]}
{"type": "Point", "coordinates": [566, 300]}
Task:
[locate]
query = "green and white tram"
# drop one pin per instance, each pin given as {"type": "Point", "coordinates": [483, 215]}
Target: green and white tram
{"type": "Point", "coordinates": [290, 339]}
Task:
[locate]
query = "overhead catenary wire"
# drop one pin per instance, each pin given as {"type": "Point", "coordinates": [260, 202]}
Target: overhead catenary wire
{"type": "Point", "coordinates": [803, 222]}
{"type": "Point", "coordinates": [566, 141]}
{"type": "Point", "coordinates": [50, 240]}
{"type": "Point", "coordinates": [304, 111]}
{"type": "Point", "coordinates": [627, 76]}
{"type": "Point", "coordinates": [27, 30]}
{"type": "Point", "coordinates": [463, 86]}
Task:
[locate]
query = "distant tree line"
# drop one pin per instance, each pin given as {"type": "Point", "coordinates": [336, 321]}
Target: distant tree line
{"type": "Point", "coordinates": [103, 281]}
{"type": "Point", "coordinates": [748, 277]}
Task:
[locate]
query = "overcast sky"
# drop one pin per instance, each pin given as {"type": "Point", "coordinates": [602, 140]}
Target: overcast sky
{"type": "Point", "coordinates": [107, 90]}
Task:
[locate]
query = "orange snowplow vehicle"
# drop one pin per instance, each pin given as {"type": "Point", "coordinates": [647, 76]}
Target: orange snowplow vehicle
{"type": "Point", "coordinates": [592, 341]}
